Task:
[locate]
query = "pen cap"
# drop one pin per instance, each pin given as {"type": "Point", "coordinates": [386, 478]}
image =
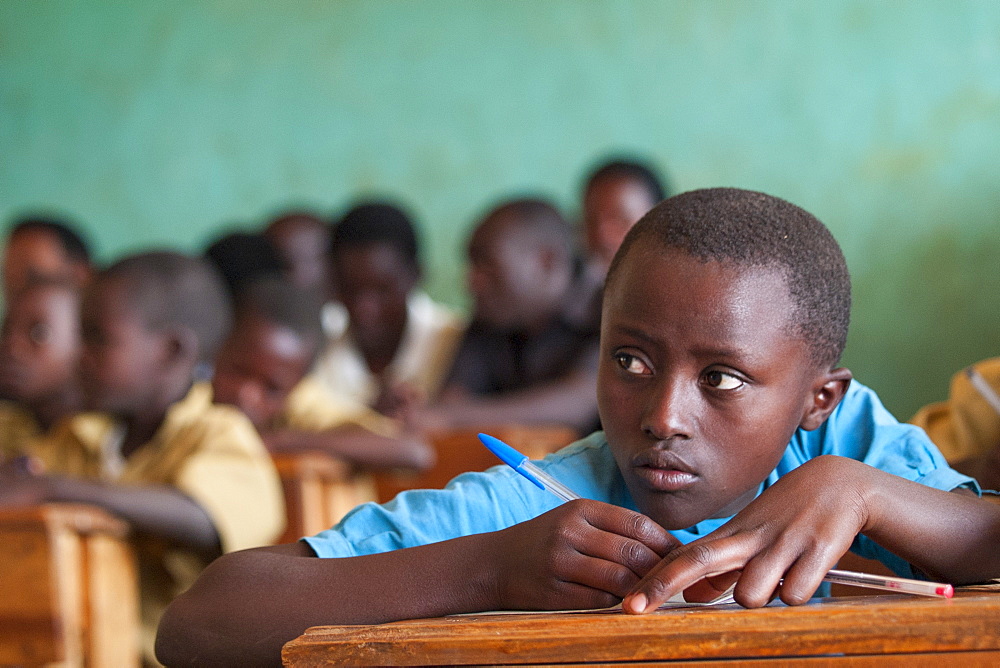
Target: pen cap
{"type": "Point", "coordinates": [509, 455]}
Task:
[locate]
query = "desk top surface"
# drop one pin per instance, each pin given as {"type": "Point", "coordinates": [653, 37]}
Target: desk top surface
{"type": "Point", "coordinates": [863, 625]}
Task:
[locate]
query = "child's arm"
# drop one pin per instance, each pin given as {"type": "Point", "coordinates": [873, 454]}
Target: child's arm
{"type": "Point", "coordinates": [570, 400]}
{"type": "Point", "coordinates": [246, 605]}
{"type": "Point", "coordinates": [156, 510]}
{"type": "Point", "coordinates": [357, 445]}
{"type": "Point", "coordinates": [798, 529]}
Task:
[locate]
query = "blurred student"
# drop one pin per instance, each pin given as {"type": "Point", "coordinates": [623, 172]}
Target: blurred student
{"type": "Point", "coordinates": [43, 248]}
{"type": "Point", "coordinates": [39, 352]}
{"type": "Point", "coordinates": [303, 241]}
{"type": "Point", "coordinates": [530, 354]}
{"type": "Point", "coordinates": [192, 479]}
{"type": "Point", "coordinates": [262, 370]}
{"type": "Point", "coordinates": [966, 427]}
{"type": "Point", "coordinates": [616, 195]}
{"type": "Point", "coordinates": [397, 344]}
{"type": "Point", "coordinates": [243, 257]}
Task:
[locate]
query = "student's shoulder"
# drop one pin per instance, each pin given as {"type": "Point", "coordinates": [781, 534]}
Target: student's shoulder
{"type": "Point", "coordinates": [431, 313]}
{"type": "Point", "coordinates": [861, 428]}
{"type": "Point", "coordinates": [195, 422]}
{"type": "Point", "coordinates": [588, 467]}
{"type": "Point", "coordinates": [312, 407]}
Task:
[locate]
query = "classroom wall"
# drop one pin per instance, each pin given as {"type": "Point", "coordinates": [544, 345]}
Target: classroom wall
{"type": "Point", "coordinates": [165, 122]}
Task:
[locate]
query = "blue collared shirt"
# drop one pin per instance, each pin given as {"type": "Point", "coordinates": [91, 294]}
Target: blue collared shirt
{"type": "Point", "coordinates": [859, 428]}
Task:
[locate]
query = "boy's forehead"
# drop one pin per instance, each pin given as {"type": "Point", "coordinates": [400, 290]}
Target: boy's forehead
{"type": "Point", "coordinates": [720, 296]}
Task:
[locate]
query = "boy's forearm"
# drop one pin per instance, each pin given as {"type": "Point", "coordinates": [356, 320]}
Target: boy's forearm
{"type": "Point", "coordinates": [246, 605]}
{"type": "Point", "coordinates": [160, 511]}
{"type": "Point", "coordinates": [951, 536]}
{"type": "Point", "coordinates": [571, 400]}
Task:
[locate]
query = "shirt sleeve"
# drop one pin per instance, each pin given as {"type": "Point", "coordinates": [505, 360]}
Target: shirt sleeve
{"type": "Point", "coordinates": [862, 429]}
{"type": "Point", "coordinates": [234, 480]}
{"type": "Point", "coordinates": [471, 503]}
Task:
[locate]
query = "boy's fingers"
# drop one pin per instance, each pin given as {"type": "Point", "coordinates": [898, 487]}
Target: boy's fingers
{"type": "Point", "coordinates": [605, 576]}
{"type": "Point", "coordinates": [708, 589]}
{"type": "Point", "coordinates": [804, 578]}
{"type": "Point", "coordinates": [682, 568]}
{"type": "Point", "coordinates": [631, 525]}
{"type": "Point", "coordinates": [634, 555]}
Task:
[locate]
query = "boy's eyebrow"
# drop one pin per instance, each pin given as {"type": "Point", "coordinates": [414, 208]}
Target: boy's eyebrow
{"type": "Point", "coordinates": [716, 351]}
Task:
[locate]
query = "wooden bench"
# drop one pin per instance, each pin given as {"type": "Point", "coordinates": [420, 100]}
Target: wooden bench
{"type": "Point", "coordinates": [460, 451]}
{"type": "Point", "coordinates": [69, 591]}
{"type": "Point", "coordinates": [319, 490]}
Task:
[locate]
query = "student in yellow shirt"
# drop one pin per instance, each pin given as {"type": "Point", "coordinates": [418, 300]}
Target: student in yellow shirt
{"type": "Point", "coordinates": [192, 479]}
{"type": "Point", "coordinates": [39, 351]}
{"type": "Point", "coordinates": [262, 366]}
{"type": "Point", "coordinates": [966, 427]}
{"type": "Point", "coordinates": [43, 248]}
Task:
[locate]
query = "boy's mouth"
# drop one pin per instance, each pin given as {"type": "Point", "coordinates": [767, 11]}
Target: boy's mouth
{"type": "Point", "coordinates": [663, 471]}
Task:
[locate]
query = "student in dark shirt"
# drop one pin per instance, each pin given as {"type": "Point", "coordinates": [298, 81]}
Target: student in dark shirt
{"type": "Point", "coordinates": [530, 355]}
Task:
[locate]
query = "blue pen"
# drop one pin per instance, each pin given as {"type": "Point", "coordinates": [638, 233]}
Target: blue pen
{"type": "Point", "coordinates": [523, 465]}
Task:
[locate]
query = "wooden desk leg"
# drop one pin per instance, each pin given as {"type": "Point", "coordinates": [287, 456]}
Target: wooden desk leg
{"type": "Point", "coordinates": [68, 588]}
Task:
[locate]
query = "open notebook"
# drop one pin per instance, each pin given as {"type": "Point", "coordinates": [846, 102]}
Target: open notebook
{"type": "Point", "coordinates": [677, 601]}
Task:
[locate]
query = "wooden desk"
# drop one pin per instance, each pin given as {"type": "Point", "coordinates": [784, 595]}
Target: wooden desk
{"type": "Point", "coordinates": [319, 490]}
{"type": "Point", "coordinates": [68, 588]}
{"type": "Point", "coordinates": [459, 451]}
{"type": "Point", "coordinates": [873, 631]}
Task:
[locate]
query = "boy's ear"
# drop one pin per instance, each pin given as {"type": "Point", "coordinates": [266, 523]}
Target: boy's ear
{"type": "Point", "coordinates": [824, 396]}
{"type": "Point", "coordinates": [181, 346]}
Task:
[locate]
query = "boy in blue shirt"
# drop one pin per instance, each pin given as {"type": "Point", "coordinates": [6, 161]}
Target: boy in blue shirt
{"type": "Point", "coordinates": [734, 449]}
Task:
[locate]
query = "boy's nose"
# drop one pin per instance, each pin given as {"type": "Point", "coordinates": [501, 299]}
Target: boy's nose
{"type": "Point", "coordinates": [670, 411]}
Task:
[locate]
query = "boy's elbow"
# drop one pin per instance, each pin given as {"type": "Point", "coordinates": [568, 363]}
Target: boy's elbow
{"type": "Point", "coordinates": [203, 625]}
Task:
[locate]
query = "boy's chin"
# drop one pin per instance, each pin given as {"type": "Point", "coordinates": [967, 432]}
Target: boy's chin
{"type": "Point", "coordinates": [674, 518]}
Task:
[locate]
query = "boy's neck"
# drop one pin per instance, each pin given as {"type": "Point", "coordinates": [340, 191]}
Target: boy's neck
{"type": "Point", "coordinates": [48, 410]}
{"type": "Point", "coordinates": [379, 356]}
{"type": "Point", "coordinates": [141, 426]}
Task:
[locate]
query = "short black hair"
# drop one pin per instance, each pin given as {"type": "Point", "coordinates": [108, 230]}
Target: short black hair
{"type": "Point", "coordinates": [172, 289]}
{"type": "Point", "coordinates": [242, 257]}
{"type": "Point", "coordinates": [69, 239]}
{"type": "Point", "coordinates": [538, 217]}
{"type": "Point", "coordinates": [753, 229]}
{"type": "Point", "coordinates": [632, 169]}
{"type": "Point", "coordinates": [378, 222]}
{"type": "Point", "coordinates": [280, 302]}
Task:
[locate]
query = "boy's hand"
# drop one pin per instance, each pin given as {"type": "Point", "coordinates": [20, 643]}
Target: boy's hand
{"type": "Point", "coordinates": [797, 530]}
{"type": "Point", "coordinates": [583, 554]}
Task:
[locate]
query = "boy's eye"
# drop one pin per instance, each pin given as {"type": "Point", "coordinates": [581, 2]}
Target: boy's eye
{"type": "Point", "coordinates": [631, 363]}
{"type": "Point", "coordinates": [721, 380]}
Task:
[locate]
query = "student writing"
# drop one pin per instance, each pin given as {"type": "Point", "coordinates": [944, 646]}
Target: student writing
{"type": "Point", "coordinates": [733, 445]}
{"type": "Point", "coordinates": [262, 369]}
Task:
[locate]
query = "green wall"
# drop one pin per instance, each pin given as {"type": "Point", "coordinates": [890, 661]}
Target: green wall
{"type": "Point", "coordinates": [164, 122]}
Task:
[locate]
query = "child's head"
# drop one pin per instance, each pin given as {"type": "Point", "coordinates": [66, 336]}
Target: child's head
{"type": "Point", "coordinates": [43, 248]}
{"type": "Point", "coordinates": [40, 341]}
{"type": "Point", "coordinates": [243, 257]}
{"type": "Point", "coordinates": [725, 313]}
{"type": "Point", "coordinates": [616, 195]}
{"type": "Point", "coordinates": [275, 337]}
{"type": "Point", "coordinates": [520, 264]}
{"type": "Point", "coordinates": [375, 266]}
{"type": "Point", "coordinates": [149, 321]}
{"type": "Point", "coordinates": [303, 241]}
